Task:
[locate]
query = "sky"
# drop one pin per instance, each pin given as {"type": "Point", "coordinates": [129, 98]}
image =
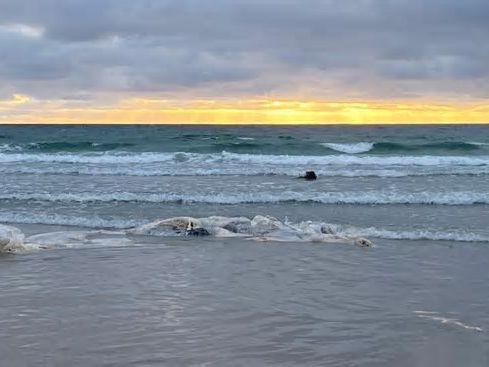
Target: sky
{"type": "Point", "coordinates": [244, 61]}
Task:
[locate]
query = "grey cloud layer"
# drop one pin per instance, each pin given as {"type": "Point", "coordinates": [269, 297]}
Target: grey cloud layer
{"type": "Point", "coordinates": [390, 48]}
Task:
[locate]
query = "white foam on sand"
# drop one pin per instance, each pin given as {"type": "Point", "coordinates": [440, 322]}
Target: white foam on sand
{"type": "Point", "coordinates": [268, 228]}
{"type": "Point", "coordinates": [260, 228]}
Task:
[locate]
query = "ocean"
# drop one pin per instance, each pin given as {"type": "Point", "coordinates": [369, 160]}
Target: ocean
{"type": "Point", "coordinates": [102, 267]}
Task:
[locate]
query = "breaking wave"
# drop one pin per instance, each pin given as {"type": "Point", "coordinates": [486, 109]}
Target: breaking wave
{"type": "Point", "coordinates": [391, 147]}
{"type": "Point", "coordinates": [358, 198]}
{"type": "Point", "coordinates": [351, 148]}
{"type": "Point", "coordinates": [235, 158]}
{"type": "Point", "coordinates": [307, 227]}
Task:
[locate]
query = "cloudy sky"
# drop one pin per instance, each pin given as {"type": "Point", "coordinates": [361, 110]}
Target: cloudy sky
{"type": "Point", "coordinates": [244, 60]}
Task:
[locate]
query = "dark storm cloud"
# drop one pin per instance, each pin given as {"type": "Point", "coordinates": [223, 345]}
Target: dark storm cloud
{"type": "Point", "coordinates": [228, 45]}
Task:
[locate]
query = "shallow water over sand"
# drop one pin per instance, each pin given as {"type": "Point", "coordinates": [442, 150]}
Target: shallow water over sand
{"type": "Point", "coordinates": [240, 303]}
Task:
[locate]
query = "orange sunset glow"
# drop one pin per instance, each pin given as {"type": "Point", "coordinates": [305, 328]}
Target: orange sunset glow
{"type": "Point", "coordinates": [23, 109]}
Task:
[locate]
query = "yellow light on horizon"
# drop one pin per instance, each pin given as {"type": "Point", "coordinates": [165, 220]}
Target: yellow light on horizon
{"type": "Point", "coordinates": [242, 111]}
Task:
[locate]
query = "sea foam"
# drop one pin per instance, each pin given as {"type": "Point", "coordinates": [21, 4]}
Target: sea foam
{"type": "Point", "coordinates": [241, 226]}
{"type": "Point", "coordinates": [434, 316]}
{"type": "Point", "coordinates": [332, 198]}
{"type": "Point", "coordinates": [227, 157]}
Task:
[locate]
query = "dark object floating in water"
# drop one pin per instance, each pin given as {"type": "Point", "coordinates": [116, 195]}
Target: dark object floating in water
{"type": "Point", "coordinates": [309, 176]}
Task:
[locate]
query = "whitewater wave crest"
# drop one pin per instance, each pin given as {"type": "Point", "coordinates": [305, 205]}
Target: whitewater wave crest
{"type": "Point", "coordinates": [396, 147]}
{"type": "Point", "coordinates": [338, 198]}
{"type": "Point", "coordinates": [224, 157]}
{"type": "Point", "coordinates": [350, 148]}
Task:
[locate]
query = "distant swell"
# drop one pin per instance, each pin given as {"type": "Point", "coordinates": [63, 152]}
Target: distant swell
{"type": "Point", "coordinates": [358, 198]}
{"type": "Point", "coordinates": [79, 146]}
{"type": "Point", "coordinates": [61, 146]}
{"type": "Point", "coordinates": [239, 144]}
{"type": "Point", "coordinates": [443, 146]}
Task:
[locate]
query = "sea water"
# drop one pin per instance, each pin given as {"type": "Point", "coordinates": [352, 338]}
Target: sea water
{"type": "Point", "coordinates": [94, 293]}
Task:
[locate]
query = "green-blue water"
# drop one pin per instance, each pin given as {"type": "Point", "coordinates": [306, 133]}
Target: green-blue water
{"type": "Point", "coordinates": [100, 176]}
{"type": "Point", "coordinates": [293, 140]}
